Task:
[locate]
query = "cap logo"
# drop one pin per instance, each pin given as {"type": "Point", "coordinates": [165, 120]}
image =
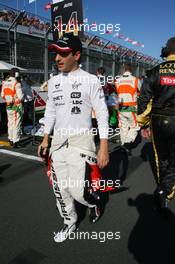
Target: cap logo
{"type": "Point", "coordinates": [63, 41]}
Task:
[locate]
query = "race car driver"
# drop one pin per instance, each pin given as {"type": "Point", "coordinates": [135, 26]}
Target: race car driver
{"type": "Point", "coordinates": [156, 109]}
{"type": "Point", "coordinates": [71, 96]}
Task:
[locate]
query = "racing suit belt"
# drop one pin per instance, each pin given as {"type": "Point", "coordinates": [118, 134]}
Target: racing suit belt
{"type": "Point", "coordinates": [127, 109]}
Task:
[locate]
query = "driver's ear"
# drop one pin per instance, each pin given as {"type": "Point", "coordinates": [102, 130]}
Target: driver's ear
{"type": "Point", "coordinates": [77, 55]}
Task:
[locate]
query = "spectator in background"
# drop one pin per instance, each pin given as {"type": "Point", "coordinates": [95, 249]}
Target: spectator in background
{"type": "Point", "coordinates": [127, 88]}
{"type": "Point", "coordinates": [110, 96]}
{"type": "Point", "coordinates": [28, 21]}
{"type": "Point", "coordinates": [107, 87]}
{"type": "Point", "coordinates": [12, 94]}
{"type": "Point", "coordinates": [28, 101]}
{"type": "Point", "coordinates": [44, 86]}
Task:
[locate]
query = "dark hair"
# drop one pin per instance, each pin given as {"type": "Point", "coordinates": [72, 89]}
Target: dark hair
{"type": "Point", "coordinates": [101, 70]}
{"type": "Point", "coordinates": [73, 53]}
{"type": "Point", "coordinates": [13, 71]}
{"type": "Point", "coordinates": [128, 67]}
{"type": "Point", "coordinates": [168, 49]}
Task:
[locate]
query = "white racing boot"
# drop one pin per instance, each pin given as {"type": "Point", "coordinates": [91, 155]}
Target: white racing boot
{"type": "Point", "coordinates": [63, 234]}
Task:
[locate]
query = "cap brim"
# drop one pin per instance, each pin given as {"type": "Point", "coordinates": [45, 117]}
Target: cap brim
{"type": "Point", "coordinates": [55, 47]}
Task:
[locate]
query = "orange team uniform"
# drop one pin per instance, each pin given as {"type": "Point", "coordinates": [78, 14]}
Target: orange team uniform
{"type": "Point", "coordinates": [12, 94]}
{"type": "Point", "coordinates": [128, 89]}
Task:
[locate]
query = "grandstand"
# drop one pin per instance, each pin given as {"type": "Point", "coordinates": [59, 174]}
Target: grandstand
{"type": "Point", "coordinates": [24, 38]}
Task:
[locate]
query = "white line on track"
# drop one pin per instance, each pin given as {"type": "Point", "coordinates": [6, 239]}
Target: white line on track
{"type": "Point", "coordinates": [21, 155]}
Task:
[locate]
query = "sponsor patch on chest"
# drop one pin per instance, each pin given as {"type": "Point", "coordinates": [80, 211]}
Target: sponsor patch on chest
{"type": "Point", "coordinates": [167, 80]}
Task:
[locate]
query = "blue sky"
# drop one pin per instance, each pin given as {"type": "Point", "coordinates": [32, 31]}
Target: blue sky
{"type": "Point", "coordinates": [150, 22]}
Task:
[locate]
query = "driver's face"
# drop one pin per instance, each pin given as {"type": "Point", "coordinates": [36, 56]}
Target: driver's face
{"type": "Point", "coordinates": [66, 61]}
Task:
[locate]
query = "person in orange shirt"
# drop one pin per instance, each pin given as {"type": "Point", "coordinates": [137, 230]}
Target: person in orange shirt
{"type": "Point", "coordinates": [127, 88]}
{"type": "Point", "coordinates": [12, 94]}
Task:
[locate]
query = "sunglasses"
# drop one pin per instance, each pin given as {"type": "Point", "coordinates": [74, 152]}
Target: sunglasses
{"type": "Point", "coordinates": [63, 54]}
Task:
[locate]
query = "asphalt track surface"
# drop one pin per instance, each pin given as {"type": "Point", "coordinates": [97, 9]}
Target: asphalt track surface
{"type": "Point", "coordinates": [28, 217]}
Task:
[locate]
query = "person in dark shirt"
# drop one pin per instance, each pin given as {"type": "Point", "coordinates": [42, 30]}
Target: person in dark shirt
{"type": "Point", "coordinates": [156, 116]}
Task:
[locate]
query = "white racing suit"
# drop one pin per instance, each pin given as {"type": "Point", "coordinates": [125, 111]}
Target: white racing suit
{"type": "Point", "coordinates": [71, 98]}
{"type": "Point", "coordinates": [127, 87]}
{"type": "Point", "coordinates": [72, 161]}
{"type": "Point", "coordinates": [12, 94]}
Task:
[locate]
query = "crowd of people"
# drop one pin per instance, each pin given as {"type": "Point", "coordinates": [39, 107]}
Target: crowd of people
{"type": "Point", "coordinates": [99, 43]}
{"type": "Point", "coordinates": [28, 20]}
{"type": "Point", "coordinates": [33, 22]}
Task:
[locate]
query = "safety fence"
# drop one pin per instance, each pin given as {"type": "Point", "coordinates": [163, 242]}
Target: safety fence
{"type": "Point", "coordinates": [24, 38]}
